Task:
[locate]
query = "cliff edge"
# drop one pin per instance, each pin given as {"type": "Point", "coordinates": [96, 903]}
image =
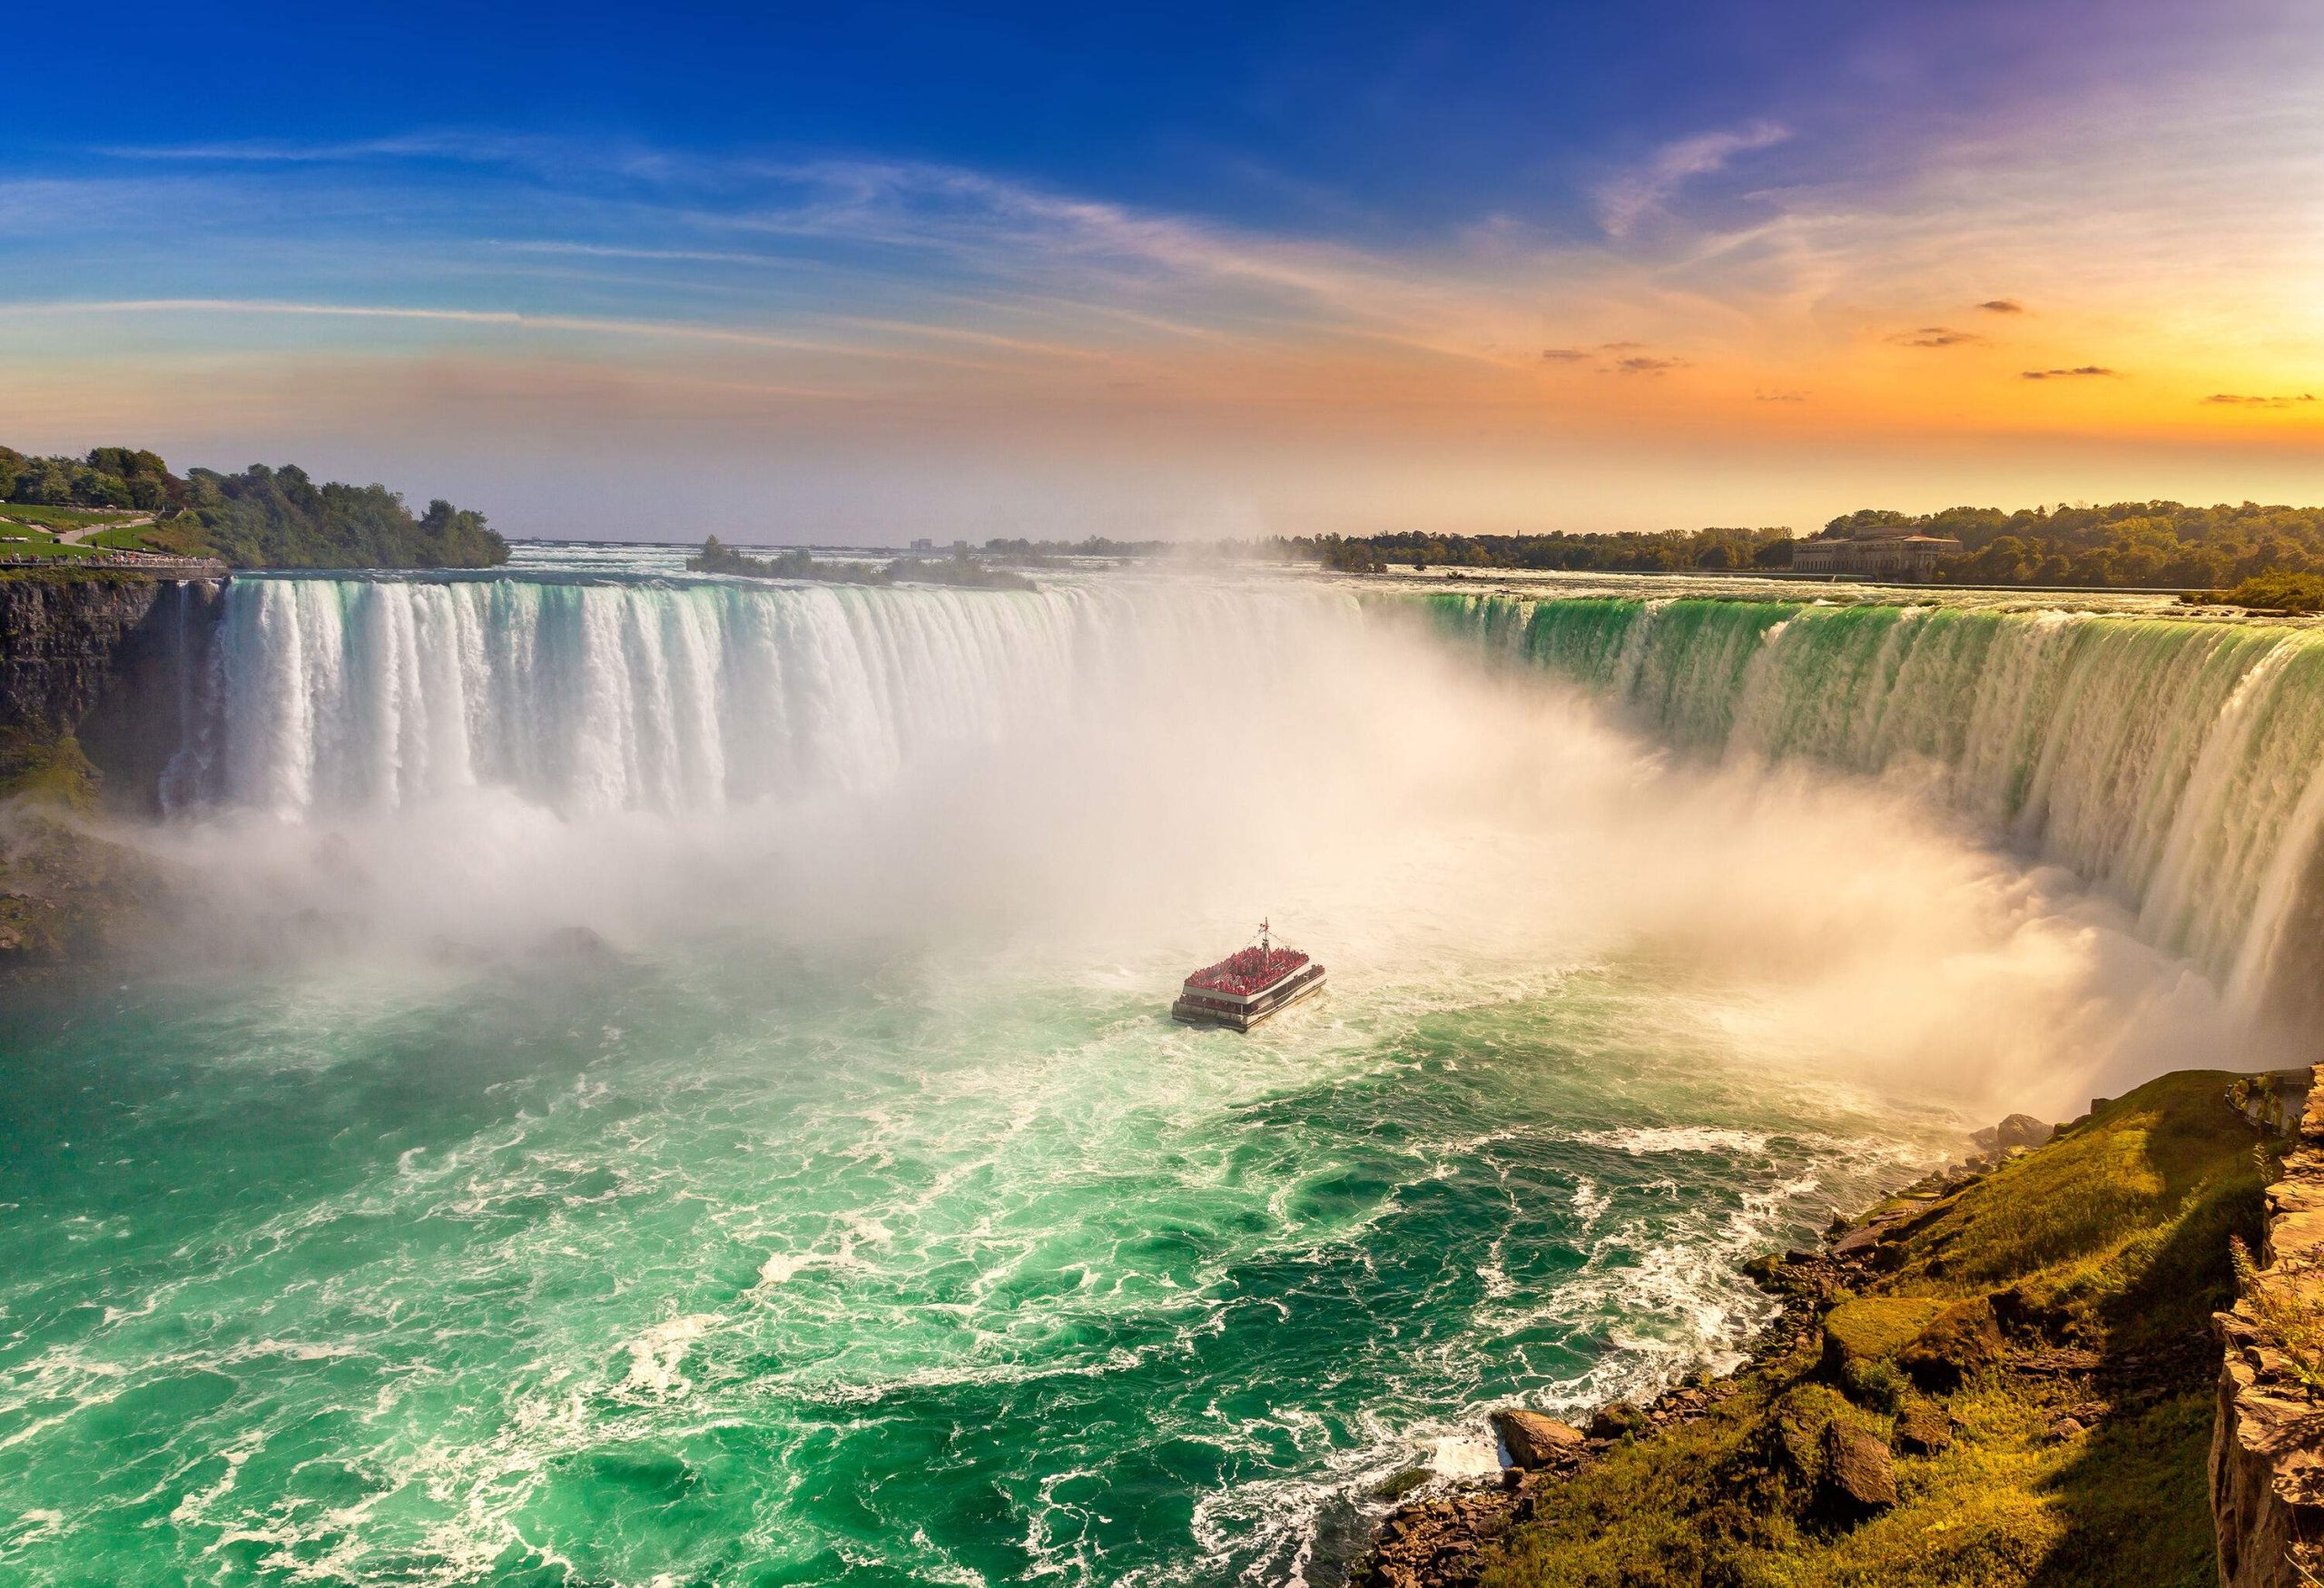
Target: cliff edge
{"type": "Point", "coordinates": [2267, 1459]}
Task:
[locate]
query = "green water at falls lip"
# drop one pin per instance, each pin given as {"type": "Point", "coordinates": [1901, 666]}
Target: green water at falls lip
{"type": "Point", "coordinates": [737, 1268]}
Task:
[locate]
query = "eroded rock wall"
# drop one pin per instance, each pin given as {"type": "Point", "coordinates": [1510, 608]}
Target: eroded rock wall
{"type": "Point", "coordinates": [113, 658]}
{"type": "Point", "coordinates": [2267, 1442]}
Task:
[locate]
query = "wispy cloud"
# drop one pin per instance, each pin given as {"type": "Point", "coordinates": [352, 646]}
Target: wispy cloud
{"type": "Point", "coordinates": [2080, 371]}
{"type": "Point", "coordinates": [1937, 336]}
{"type": "Point", "coordinates": [587, 325]}
{"type": "Point", "coordinates": [2238, 399]}
{"type": "Point", "coordinates": [1647, 364]}
{"type": "Point", "coordinates": [2003, 306]}
{"type": "Point", "coordinates": [1629, 200]}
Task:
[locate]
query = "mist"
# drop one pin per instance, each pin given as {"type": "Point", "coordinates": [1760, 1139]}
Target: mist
{"type": "Point", "coordinates": [1121, 791]}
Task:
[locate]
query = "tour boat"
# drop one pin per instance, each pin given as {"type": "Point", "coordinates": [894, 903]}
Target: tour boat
{"type": "Point", "coordinates": [1248, 986]}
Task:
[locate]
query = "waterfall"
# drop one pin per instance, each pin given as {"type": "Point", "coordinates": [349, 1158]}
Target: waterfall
{"type": "Point", "coordinates": [2170, 763]}
{"type": "Point", "coordinates": [336, 695]}
{"type": "Point", "coordinates": [2177, 764]}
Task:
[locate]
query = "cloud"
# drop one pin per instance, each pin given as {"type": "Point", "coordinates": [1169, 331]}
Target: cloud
{"type": "Point", "coordinates": [1565, 355]}
{"type": "Point", "coordinates": [1629, 200]}
{"type": "Point", "coordinates": [1937, 336]}
{"type": "Point", "coordinates": [2238, 400]}
{"type": "Point", "coordinates": [1779, 396]}
{"type": "Point", "coordinates": [2065, 374]}
{"type": "Point", "coordinates": [585, 325]}
{"type": "Point", "coordinates": [2003, 306]}
{"type": "Point", "coordinates": [1647, 364]}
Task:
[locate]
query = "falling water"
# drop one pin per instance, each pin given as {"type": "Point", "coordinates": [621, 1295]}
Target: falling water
{"type": "Point", "coordinates": [589, 697]}
{"type": "Point", "coordinates": [2174, 762]}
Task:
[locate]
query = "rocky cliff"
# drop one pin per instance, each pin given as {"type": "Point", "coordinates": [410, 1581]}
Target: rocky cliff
{"type": "Point", "coordinates": [2266, 1469]}
{"type": "Point", "coordinates": [109, 657]}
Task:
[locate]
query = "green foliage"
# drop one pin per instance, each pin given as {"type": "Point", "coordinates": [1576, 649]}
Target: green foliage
{"type": "Point", "coordinates": [48, 772]}
{"type": "Point", "coordinates": [278, 517]}
{"type": "Point", "coordinates": [2149, 544]}
{"type": "Point", "coordinates": [261, 518]}
{"type": "Point", "coordinates": [1873, 1327]}
{"type": "Point", "coordinates": [959, 569]}
{"type": "Point", "coordinates": [1878, 1386]}
{"type": "Point", "coordinates": [1665, 551]}
{"type": "Point", "coordinates": [2288, 1304]}
{"type": "Point", "coordinates": [2155, 543]}
{"type": "Point", "coordinates": [796, 563]}
{"type": "Point", "coordinates": [2275, 592]}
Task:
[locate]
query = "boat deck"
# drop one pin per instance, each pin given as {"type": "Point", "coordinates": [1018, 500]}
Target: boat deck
{"type": "Point", "coordinates": [1241, 1012]}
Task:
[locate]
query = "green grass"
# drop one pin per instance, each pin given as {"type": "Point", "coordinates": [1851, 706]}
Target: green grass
{"type": "Point", "coordinates": [48, 772]}
{"type": "Point", "coordinates": [1871, 1327]}
{"type": "Point", "coordinates": [2114, 1237]}
{"type": "Point", "coordinates": [46, 547]}
{"type": "Point", "coordinates": [121, 540]}
{"type": "Point", "coordinates": [64, 517]}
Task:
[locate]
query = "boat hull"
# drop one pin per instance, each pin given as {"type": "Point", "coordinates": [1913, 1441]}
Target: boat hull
{"type": "Point", "coordinates": [1239, 1012]}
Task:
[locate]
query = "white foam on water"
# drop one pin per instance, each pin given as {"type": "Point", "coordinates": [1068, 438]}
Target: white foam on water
{"type": "Point", "coordinates": [1642, 1140]}
{"type": "Point", "coordinates": [656, 1356]}
{"type": "Point", "coordinates": [1457, 1455]}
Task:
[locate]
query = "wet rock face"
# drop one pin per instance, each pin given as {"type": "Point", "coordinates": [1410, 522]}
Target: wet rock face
{"type": "Point", "coordinates": [107, 658]}
{"type": "Point", "coordinates": [58, 641]}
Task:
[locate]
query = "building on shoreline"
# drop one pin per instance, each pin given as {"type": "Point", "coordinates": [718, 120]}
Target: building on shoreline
{"type": "Point", "coordinates": [1895, 556]}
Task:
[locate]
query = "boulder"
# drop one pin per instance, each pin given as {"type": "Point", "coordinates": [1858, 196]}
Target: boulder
{"type": "Point", "coordinates": [1964, 1336]}
{"type": "Point", "coordinates": [1616, 1419]}
{"type": "Point", "coordinates": [2023, 1130]}
{"type": "Point", "coordinates": [1923, 1429]}
{"type": "Point", "coordinates": [1533, 1440]}
{"type": "Point", "coordinates": [1859, 1477]}
{"type": "Point", "coordinates": [1860, 1332]}
{"type": "Point", "coordinates": [2065, 1428]}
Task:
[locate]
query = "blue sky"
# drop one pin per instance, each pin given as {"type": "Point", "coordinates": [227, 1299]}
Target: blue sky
{"type": "Point", "coordinates": [1190, 270]}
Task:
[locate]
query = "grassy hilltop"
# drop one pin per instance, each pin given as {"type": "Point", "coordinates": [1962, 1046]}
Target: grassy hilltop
{"type": "Point", "coordinates": [120, 499]}
{"type": "Point", "coordinates": [2033, 1347]}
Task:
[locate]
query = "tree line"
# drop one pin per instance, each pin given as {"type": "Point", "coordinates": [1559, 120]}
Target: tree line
{"type": "Point", "coordinates": [2148, 543]}
{"type": "Point", "coordinates": [2120, 544]}
{"type": "Point", "coordinates": [1635, 552]}
{"type": "Point", "coordinates": [259, 517]}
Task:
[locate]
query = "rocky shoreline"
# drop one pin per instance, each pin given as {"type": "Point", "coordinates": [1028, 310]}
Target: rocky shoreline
{"type": "Point", "coordinates": [1441, 1540]}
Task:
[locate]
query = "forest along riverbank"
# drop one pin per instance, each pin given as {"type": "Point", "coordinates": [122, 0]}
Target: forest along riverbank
{"type": "Point", "coordinates": [2004, 1374]}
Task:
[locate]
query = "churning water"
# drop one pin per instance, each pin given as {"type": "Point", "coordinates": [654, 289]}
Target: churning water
{"type": "Point", "coordinates": [664, 1081]}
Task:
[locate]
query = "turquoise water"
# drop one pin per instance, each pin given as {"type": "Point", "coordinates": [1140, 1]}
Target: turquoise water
{"type": "Point", "coordinates": [736, 1269]}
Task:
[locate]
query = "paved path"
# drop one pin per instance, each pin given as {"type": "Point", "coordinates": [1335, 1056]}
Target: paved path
{"type": "Point", "coordinates": [74, 537]}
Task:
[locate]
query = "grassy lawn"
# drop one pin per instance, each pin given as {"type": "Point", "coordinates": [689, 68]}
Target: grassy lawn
{"type": "Point", "coordinates": [64, 517]}
{"type": "Point", "coordinates": [2113, 1241]}
{"type": "Point", "coordinates": [45, 547]}
{"type": "Point", "coordinates": [121, 540]}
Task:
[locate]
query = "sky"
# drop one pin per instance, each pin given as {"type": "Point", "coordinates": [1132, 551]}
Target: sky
{"type": "Point", "coordinates": [853, 274]}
